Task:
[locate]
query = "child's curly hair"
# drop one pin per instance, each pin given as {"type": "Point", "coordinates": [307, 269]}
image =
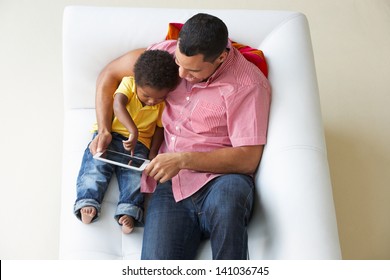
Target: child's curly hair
{"type": "Point", "coordinates": [156, 69]}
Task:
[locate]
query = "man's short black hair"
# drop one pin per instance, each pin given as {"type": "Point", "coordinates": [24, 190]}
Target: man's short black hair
{"type": "Point", "coordinates": [203, 34]}
{"type": "Point", "coordinates": [156, 69]}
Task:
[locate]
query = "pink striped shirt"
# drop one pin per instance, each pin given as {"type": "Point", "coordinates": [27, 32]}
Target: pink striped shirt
{"type": "Point", "coordinates": [230, 109]}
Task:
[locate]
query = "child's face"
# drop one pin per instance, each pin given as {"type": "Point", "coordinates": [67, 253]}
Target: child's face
{"type": "Point", "coordinates": [151, 96]}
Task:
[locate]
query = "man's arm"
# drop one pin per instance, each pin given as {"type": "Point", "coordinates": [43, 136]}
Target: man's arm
{"type": "Point", "coordinates": [107, 82]}
{"type": "Point", "coordinates": [242, 160]}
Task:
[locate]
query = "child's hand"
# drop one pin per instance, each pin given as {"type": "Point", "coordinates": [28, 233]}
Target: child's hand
{"type": "Point", "coordinates": [130, 143]}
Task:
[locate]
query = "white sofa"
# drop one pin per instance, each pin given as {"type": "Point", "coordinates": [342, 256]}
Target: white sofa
{"type": "Point", "coordinates": [294, 216]}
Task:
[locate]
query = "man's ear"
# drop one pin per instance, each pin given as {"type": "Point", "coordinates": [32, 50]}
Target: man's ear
{"type": "Point", "coordinates": [222, 57]}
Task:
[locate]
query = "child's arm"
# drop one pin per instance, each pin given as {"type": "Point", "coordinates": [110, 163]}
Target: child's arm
{"type": "Point", "coordinates": [157, 139]}
{"type": "Point", "coordinates": [120, 102]}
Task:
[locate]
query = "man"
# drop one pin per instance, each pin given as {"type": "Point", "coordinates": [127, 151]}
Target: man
{"type": "Point", "coordinates": [215, 129]}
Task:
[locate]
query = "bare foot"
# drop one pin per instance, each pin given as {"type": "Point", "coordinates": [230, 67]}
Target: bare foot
{"type": "Point", "coordinates": [127, 223]}
{"type": "Point", "coordinates": [87, 214]}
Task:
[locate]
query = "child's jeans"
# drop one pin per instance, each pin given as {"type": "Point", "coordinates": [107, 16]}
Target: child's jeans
{"type": "Point", "coordinates": [94, 178]}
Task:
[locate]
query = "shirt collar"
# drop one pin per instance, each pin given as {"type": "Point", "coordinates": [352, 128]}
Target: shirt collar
{"type": "Point", "coordinates": [224, 65]}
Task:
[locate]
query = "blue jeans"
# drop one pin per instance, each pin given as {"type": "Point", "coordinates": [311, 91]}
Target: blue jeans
{"type": "Point", "coordinates": [220, 211]}
{"type": "Point", "coordinates": [95, 175]}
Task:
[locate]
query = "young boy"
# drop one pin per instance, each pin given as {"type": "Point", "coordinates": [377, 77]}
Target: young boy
{"type": "Point", "coordinates": [136, 129]}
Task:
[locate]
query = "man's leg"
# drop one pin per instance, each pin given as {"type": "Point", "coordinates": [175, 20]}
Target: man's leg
{"type": "Point", "coordinates": [171, 229]}
{"type": "Point", "coordinates": [227, 209]}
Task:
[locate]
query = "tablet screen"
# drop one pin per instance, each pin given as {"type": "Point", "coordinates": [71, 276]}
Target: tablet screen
{"type": "Point", "coordinates": [122, 158]}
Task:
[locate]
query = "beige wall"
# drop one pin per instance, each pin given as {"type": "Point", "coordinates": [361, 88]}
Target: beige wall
{"type": "Point", "coordinates": [351, 42]}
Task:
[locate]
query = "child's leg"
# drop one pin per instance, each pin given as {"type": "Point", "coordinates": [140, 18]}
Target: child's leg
{"type": "Point", "coordinates": [131, 200]}
{"type": "Point", "coordinates": [92, 183]}
{"type": "Point", "coordinates": [130, 205]}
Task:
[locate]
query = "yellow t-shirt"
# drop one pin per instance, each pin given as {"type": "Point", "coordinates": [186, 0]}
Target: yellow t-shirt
{"type": "Point", "coordinates": [146, 118]}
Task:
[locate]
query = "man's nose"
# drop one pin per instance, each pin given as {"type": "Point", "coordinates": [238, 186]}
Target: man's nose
{"type": "Point", "coordinates": [182, 72]}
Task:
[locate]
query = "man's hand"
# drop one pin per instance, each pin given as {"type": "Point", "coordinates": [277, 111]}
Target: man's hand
{"type": "Point", "coordinates": [164, 166]}
{"type": "Point", "coordinates": [242, 160]}
{"type": "Point", "coordinates": [100, 142]}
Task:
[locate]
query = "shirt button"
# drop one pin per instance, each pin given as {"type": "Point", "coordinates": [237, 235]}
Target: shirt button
{"type": "Point", "coordinates": [173, 138]}
{"type": "Point", "coordinates": [188, 98]}
{"type": "Point", "coordinates": [177, 127]}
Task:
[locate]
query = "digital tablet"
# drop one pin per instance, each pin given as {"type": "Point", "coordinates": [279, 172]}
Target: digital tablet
{"type": "Point", "coordinates": [121, 159]}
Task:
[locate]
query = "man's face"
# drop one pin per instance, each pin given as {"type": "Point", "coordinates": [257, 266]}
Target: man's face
{"type": "Point", "coordinates": [193, 68]}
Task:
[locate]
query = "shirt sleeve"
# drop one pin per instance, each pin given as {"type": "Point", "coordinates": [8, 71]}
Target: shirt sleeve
{"type": "Point", "coordinates": [126, 87]}
{"type": "Point", "coordinates": [248, 113]}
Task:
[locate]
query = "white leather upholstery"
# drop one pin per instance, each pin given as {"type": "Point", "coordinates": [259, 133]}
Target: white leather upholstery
{"type": "Point", "coordinates": [294, 216]}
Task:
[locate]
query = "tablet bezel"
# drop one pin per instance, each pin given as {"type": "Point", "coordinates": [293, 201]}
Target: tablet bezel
{"type": "Point", "coordinates": [98, 156]}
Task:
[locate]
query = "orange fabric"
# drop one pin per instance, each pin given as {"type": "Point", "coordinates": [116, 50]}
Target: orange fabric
{"type": "Point", "coordinates": [253, 55]}
{"type": "Point", "coordinates": [173, 31]}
